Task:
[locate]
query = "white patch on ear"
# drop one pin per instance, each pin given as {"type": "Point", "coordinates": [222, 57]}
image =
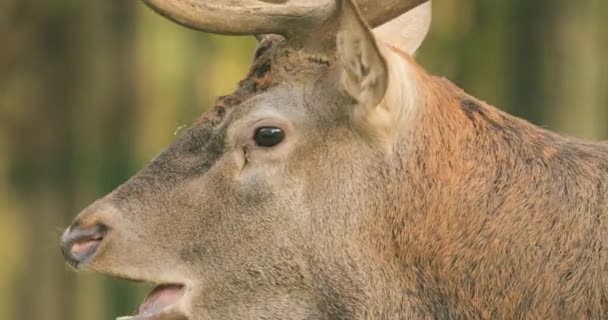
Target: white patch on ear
{"type": "Point", "coordinates": [365, 72]}
{"type": "Point", "coordinates": [402, 99]}
{"type": "Point", "coordinates": [408, 31]}
{"type": "Point", "coordinates": [387, 97]}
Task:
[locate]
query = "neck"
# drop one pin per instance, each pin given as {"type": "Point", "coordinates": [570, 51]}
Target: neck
{"type": "Point", "coordinates": [477, 188]}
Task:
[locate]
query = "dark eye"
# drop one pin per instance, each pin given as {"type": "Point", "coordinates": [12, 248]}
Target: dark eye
{"type": "Point", "coordinates": [268, 136]}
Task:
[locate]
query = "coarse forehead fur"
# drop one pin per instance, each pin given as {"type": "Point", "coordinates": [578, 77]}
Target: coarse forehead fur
{"type": "Point", "coordinates": [306, 84]}
{"type": "Point", "coordinates": [275, 64]}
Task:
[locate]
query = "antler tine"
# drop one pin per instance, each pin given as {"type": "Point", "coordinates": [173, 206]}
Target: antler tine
{"type": "Point", "coordinates": [378, 12]}
{"type": "Point", "coordinates": [284, 17]}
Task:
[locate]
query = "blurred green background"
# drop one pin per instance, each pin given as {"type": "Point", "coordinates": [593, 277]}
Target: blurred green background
{"type": "Point", "coordinates": [91, 90]}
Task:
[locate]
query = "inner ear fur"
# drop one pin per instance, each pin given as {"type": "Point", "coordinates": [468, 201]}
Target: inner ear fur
{"type": "Point", "coordinates": [365, 70]}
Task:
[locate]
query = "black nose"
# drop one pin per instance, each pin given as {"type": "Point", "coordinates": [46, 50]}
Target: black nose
{"type": "Point", "coordinates": [79, 244]}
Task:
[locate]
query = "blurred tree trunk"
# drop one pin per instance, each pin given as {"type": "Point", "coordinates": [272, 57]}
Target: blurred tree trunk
{"type": "Point", "coordinates": [42, 156]}
{"type": "Point", "coordinates": [577, 71]}
{"type": "Point", "coordinates": [79, 71]}
{"type": "Point", "coordinates": [104, 119]}
{"type": "Point", "coordinates": [541, 60]}
{"type": "Point", "coordinates": [527, 51]}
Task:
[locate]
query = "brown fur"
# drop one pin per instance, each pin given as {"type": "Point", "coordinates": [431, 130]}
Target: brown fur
{"type": "Point", "coordinates": [504, 220]}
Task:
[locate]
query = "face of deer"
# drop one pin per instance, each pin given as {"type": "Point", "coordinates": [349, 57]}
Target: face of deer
{"type": "Point", "coordinates": [271, 200]}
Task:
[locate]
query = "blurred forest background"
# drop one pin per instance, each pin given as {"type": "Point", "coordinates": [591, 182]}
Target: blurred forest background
{"type": "Point", "coordinates": [91, 90]}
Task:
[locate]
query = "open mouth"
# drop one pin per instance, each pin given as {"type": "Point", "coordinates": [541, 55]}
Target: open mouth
{"type": "Point", "coordinates": [162, 303]}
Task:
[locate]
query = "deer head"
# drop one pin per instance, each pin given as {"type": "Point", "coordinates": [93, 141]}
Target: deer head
{"type": "Point", "coordinates": [273, 204]}
{"type": "Point", "coordinates": [341, 181]}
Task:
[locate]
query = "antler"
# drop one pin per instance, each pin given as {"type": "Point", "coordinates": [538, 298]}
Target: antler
{"type": "Point", "coordinates": [378, 12]}
{"type": "Point", "coordinates": [239, 17]}
{"type": "Point", "coordinates": [284, 17]}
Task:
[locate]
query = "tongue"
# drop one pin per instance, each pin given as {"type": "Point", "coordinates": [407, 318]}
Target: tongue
{"type": "Point", "coordinates": [160, 298]}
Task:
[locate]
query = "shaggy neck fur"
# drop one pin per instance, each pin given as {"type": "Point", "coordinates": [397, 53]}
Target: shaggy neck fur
{"type": "Point", "coordinates": [496, 217]}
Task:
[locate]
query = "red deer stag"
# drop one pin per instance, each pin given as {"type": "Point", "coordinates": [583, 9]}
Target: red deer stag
{"type": "Point", "coordinates": [341, 181]}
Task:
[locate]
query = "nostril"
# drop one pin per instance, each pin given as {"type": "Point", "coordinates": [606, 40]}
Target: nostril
{"type": "Point", "coordinates": [84, 248]}
{"type": "Point", "coordinates": [79, 244]}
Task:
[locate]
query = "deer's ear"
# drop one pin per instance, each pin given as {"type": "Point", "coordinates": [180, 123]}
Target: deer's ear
{"type": "Point", "coordinates": [408, 31]}
{"type": "Point", "coordinates": [365, 72]}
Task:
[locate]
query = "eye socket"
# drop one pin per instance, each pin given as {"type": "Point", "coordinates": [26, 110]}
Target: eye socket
{"type": "Point", "coordinates": [268, 136]}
